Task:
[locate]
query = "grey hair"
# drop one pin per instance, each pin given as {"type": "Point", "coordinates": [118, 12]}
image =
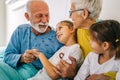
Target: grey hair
{"type": "Point", "coordinates": [29, 3]}
{"type": "Point", "coordinates": [93, 6]}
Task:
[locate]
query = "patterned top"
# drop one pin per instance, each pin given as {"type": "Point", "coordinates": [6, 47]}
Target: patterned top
{"type": "Point", "coordinates": [23, 38]}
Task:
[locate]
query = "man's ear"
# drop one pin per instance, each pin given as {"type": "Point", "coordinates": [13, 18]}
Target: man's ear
{"type": "Point", "coordinates": [85, 14]}
{"type": "Point", "coordinates": [27, 16]}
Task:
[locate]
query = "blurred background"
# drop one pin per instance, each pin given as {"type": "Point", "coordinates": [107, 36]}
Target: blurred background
{"type": "Point", "coordinates": [12, 14]}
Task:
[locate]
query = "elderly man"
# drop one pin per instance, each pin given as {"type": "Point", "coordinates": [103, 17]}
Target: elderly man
{"type": "Point", "coordinates": [19, 63]}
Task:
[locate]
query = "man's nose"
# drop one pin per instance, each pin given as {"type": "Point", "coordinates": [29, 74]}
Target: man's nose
{"type": "Point", "coordinates": [44, 19]}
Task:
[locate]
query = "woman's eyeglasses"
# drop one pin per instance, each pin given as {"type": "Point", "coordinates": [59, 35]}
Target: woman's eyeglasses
{"type": "Point", "coordinates": [71, 11]}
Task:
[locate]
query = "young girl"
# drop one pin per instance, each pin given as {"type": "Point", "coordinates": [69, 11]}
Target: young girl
{"type": "Point", "coordinates": [66, 35]}
{"type": "Point", "coordinates": [105, 42]}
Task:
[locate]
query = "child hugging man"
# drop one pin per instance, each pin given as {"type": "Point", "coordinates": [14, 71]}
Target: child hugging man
{"type": "Point", "coordinates": [66, 34]}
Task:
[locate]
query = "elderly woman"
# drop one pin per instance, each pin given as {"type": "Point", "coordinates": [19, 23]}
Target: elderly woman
{"type": "Point", "coordinates": [84, 13]}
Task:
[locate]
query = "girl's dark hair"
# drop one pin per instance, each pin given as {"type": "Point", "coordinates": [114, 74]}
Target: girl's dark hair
{"type": "Point", "coordinates": [109, 31]}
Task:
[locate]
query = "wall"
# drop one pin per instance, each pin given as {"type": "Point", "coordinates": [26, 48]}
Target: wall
{"type": "Point", "coordinates": [15, 16]}
{"type": "Point", "coordinates": [59, 10]}
{"type": "Point", "coordinates": [110, 10]}
{"type": "Point", "coordinates": [2, 23]}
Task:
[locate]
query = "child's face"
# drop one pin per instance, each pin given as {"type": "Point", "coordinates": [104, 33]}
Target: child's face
{"type": "Point", "coordinates": [97, 48]}
{"type": "Point", "coordinates": [63, 33]}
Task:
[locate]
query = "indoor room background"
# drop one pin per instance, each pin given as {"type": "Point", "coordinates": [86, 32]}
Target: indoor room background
{"type": "Point", "coordinates": [12, 14]}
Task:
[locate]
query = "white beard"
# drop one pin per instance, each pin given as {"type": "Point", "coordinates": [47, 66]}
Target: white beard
{"type": "Point", "coordinates": [37, 27]}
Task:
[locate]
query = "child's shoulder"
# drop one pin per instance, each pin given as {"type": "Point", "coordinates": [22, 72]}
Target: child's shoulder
{"type": "Point", "coordinates": [92, 54]}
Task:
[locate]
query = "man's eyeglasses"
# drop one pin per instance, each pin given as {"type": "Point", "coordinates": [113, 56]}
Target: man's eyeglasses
{"type": "Point", "coordinates": [71, 11]}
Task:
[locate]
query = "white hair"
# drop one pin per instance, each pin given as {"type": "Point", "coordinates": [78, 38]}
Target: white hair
{"type": "Point", "coordinates": [29, 3]}
{"type": "Point", "coordinates": [93, 6]}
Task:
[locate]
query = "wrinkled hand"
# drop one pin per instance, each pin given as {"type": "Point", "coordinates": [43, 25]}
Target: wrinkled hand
{"type": "Point", "coordinates": [98, 77]}
{"type": "Point", "coordinates": [66, 70]}
{"type": "Point", "coordinates": [28, 56]}
{"type": "Point", "coordinates": [36, 53]}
